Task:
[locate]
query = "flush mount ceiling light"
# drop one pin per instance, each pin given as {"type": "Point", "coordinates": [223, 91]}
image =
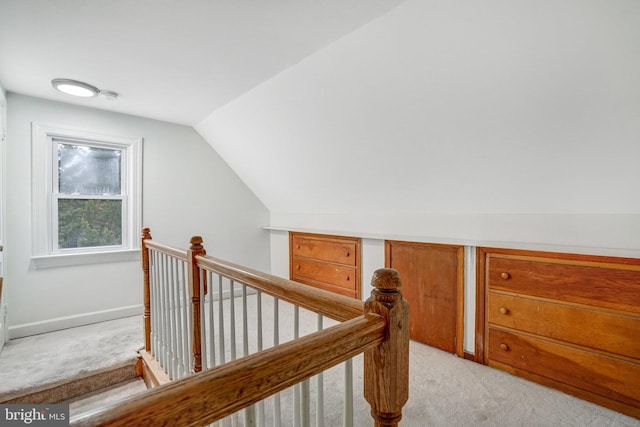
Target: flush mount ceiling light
{"type": "Point", "coordinates": [81, 89]}
{"type": "Point", "coordinates": [75, 88]}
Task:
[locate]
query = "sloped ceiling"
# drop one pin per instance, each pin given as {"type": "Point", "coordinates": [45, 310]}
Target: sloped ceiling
{"type": "Point", "coordinates": [171, 60]}
{"type": "Point", "coordinates": [441, 108]}
{"type": "Point", "coordinates": [369, 107]}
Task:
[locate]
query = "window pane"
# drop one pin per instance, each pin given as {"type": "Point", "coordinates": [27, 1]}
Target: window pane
{"type": "Point", "coordinates": [88, 170]}
{"type": "Point", "coordinates": [87, 223]}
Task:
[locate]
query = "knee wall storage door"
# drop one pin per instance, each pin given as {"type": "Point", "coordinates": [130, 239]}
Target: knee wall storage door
{"type": "Point", "coordinates": [432, 283]}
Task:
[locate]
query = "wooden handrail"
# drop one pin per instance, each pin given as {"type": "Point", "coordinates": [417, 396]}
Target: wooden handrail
{"type": "Point", "coordinates": [337, 307]}
{"type": "Point", "coordinates": [334, 306]}
{"type": "Point", "coordinates": [211, 395]}
{"type": "Point", "coordinates": [180, 254]}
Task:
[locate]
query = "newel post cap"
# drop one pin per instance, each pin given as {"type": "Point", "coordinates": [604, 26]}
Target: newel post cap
{"type": "Point", "coordinates": [386, 279]}
{"type": "Point", "coordinates": [196, 246]}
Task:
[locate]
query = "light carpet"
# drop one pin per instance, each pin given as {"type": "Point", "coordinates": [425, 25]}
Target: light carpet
{"type": "Point", "coordinates": [444, 390]}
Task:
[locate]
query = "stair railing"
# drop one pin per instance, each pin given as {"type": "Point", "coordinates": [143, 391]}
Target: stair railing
{"type": "Point", "coordinates": [377, 327]}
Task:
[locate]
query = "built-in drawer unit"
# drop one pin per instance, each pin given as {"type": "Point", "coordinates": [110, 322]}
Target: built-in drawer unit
{"type": "Point", "coordinates": [567, 321]}
{"type": "Point", "coordinates": [326, 262]}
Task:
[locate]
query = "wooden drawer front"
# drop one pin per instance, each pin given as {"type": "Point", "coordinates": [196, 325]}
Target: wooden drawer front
{"type": "Point", "coordinates": [331, 288]}
{"type": "Point", "coordinates": [342, 252]}
{"type": "Point", "coordinates": [599, 330]}
{"type": "Point", "coordinates": [337, 275]}
{"type": "Point", "coordinates": [598, 286]}
{"type": "Point", "coordinates": [606, 376]}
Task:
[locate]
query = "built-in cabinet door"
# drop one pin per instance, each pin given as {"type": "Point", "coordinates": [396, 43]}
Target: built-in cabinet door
{"type": "Point", "coordinates": [433, 284]}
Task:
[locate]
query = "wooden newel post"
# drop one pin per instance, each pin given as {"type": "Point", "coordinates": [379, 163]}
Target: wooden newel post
{"type": "Point", "coordinates": [146, 318]}
{"type": "Point", "coordinates": [195, 249]}
{"type": "Point", "coordinates": [386, 367]}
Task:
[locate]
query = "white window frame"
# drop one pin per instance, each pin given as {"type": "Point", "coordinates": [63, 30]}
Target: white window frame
{"type": "Point", "coordinates": [44, 178]}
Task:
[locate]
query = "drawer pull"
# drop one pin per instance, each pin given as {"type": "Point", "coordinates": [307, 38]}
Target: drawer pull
{"type": "Point", "coordinates": [504, 310]}
{"type": "Point", "coordinates": [298, 267]}
{"type": "Point", "coordinates": [298, 247]}
{"type": "Point", "coordinates": [348, 254]}
{"type": "Point", "coordinates": [505, 275]}
{"type": "Point", "coordinates": [504, 347]}
{"type": "Point", "coordinates": [347, 278]}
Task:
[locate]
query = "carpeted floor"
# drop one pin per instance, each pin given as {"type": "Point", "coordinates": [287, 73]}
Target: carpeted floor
{"type": "Point", "coordinates": [449, 391]}
{"type": "Point", "coordinates": [444, 390]}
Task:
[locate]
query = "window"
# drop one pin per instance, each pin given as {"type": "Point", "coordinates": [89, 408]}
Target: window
{"type": "Point", "coordinates": [88, 201]}
{"type": "Point", "coordinates": [86, 196]}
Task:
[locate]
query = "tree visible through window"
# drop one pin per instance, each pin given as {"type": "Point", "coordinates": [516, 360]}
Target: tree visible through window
{"type": "Point", "coordinates": [89, 198]}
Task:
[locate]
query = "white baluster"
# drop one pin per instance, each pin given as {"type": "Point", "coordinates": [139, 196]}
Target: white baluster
{"type": "Point", "coordinates": [212, 331]}
{"type": "Point", "coordinates": [163, 312]}
{"type": "Point", "coordinates": [180, 324]}
{"type": "Point", "coordinates": [153, 289]}
{"type": "Point", "coordinates": [277, 415]}
{"type": "Point", "coordinates": [186, 313]}
{"type": "Point", "coordinates": [249, 412]}
{"type": "Point", "coordinates": [232, 320]}
{"type": "Point", "coordinates": [348, 394]}
{"type": "Point", "coordinates": [296, 388]}
{"type": "Point", "coordinates": [245, 322]}
{"type": "Point", "coordinates": [260, 405]}
{"type": "Point", "coordinates": [203, 321]}
{"type": "Point", "coordinates": [305, 403]}
{"type": "Point", "coordinates": [320, 386]}
{"type": "Point", "coordinates": [167, 314]}
{"type": "Point", "coordinates": [232, 330]}
{"type": "Point", "coordinates": [157, 311]}
{"type": "Point", "coordinates": [221, 320]}
{"type": "Point", "coordinates": [173, 333]}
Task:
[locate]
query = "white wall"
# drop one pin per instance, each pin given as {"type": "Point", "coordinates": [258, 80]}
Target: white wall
{"type": "Point", "coordinates": [187, 190]}
{"type": "Point", "coordinates": [494, 123]}
{"type": "Point", "coordinates": [3, 324]}
{"type": "Point", "coordinates": [493, 120]}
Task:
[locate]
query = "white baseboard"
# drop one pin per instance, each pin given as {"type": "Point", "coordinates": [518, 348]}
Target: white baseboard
{"type": "Point", "coordinates": [226, 294]}
{"type": "Point", "coordinates": [27, 329]}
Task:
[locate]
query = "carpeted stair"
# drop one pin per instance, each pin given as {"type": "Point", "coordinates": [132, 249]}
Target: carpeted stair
{"type": "Point", "coordinates": [62, 365]}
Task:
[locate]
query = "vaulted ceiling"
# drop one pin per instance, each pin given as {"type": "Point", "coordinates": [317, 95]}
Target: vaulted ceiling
{"type": "Point", "coordinates": [382, 108]}
{"type": "Point", "coordinates": [171, 60]}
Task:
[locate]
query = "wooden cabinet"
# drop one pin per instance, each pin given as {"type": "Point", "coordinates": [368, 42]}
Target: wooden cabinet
{"type": "Point", "coordinates": [433, 284]}
{"type": "Point", "coordinates": [567, 321]}
{"type": "Point", "coordinates": [326, 262]}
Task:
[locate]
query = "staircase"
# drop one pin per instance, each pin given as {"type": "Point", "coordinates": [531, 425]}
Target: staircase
{"type": "Point", "coordinates": [73, 365]}
{"type": "Point", "coordinates": [107, 395]}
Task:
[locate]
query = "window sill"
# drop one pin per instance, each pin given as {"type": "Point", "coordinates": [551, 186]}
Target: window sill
{"type": "Point", "coordinates": [68, 260]}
